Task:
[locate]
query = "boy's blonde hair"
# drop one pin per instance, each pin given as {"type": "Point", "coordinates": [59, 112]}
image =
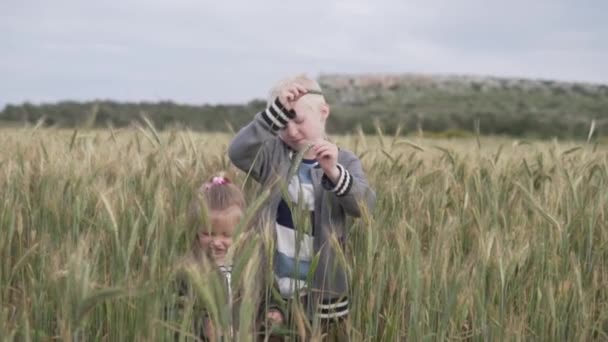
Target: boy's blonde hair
{"type": "Point", "coordinates": [303, 81]}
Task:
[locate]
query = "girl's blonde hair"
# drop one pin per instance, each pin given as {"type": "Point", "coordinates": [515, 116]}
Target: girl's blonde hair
{"type": "Point", "coordinates": [218, 193]}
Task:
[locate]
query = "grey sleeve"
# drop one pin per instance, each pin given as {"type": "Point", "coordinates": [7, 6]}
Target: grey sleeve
{"type": "Point", "coordinates": [252, 147]}
{"type": "Point", "coordinates": [352, 189]}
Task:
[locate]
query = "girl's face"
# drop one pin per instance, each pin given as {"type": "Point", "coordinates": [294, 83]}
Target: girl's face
{"type": "Point", "coordinates": [216, 239]}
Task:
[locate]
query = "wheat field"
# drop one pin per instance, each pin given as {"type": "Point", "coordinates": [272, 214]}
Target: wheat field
{"type": "Point", "coordinates": [476, 239]}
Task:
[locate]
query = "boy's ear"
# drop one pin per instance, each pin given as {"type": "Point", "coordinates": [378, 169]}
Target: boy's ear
{"type": "Point", "coordinates": [325, 111]}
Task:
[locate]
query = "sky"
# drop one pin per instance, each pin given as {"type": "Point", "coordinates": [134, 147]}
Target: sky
{"type": "Point", "coordinates": [198, 51]}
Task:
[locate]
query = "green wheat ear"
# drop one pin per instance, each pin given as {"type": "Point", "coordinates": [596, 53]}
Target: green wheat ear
{"type": "Point", "coordinates": [297, 160]}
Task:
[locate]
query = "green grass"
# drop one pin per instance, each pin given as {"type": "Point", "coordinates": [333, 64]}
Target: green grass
{"type": "Point", "coordinates": [471, 239]}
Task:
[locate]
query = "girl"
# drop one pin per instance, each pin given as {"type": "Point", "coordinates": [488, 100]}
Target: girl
{"type": "Point", "coordinates": [206, 274]}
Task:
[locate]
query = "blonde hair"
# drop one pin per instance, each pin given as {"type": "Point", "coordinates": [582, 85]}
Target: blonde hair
{"type": "Point", "coordinates": [218, 193]}
{"type": "Point", "coordinates": [303, 81]}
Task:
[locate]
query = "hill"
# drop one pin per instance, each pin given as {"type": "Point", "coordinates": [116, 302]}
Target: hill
{"type": "Point", "coordinates": [414, 102]}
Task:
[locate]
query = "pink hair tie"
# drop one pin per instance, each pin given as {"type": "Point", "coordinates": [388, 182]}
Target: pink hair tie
{"type": "Point", "coordinates": [216, 181]}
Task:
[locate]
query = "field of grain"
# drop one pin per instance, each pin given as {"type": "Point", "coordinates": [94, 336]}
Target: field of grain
{"type": "Point", "coordinates": [473, 239]}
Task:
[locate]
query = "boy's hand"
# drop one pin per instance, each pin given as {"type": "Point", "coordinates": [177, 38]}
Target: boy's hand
{"type": "Point", "coordinates": [290, 95]}
{"type": "Point", "coordinates": [275, 317]}
{"type": "Point", "coordinates": [327, 156]}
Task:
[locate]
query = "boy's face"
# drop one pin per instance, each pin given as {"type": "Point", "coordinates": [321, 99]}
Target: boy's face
{"type": "Point", "coordinates": [216, 239]}
{"type": "Point", "coordinates": [308, 126]}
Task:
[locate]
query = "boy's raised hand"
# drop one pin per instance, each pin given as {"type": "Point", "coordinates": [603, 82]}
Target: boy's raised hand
{"type": "Point", "coordinates": [291, 94]}
{"type": "Point", "coordinates": [327, 156]}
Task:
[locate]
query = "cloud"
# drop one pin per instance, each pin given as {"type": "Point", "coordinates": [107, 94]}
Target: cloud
{"type": "Point", "coordinates": [201, 51]}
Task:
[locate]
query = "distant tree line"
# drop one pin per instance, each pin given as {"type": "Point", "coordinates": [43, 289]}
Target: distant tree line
{"type": "Point", "coordinates": [99, 114]}
{"type": "Point", "coordinates": [547, 111]}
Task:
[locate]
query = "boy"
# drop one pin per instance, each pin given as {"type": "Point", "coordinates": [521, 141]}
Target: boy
{"type": "Point", "coordinates": [328, 185]}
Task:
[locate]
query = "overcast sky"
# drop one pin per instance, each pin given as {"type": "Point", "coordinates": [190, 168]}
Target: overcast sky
{"type": "Point", "coordinates": [197, 51]}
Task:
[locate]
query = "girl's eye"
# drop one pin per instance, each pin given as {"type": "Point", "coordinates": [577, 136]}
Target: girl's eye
{"type": "Point", "coordinates": [207, 233]}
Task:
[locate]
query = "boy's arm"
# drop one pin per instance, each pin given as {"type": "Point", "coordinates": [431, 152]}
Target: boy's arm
{"type": "Point", "coordinates": [251, 148]}
{"type": "Point", "coordinates": [352, 188]}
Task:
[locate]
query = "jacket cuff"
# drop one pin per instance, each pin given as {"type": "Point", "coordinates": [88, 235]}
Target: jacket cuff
{"type": "Point", "coordinates": [344, 184]}
{"type": "Point", "coordinates": [277, 116]}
